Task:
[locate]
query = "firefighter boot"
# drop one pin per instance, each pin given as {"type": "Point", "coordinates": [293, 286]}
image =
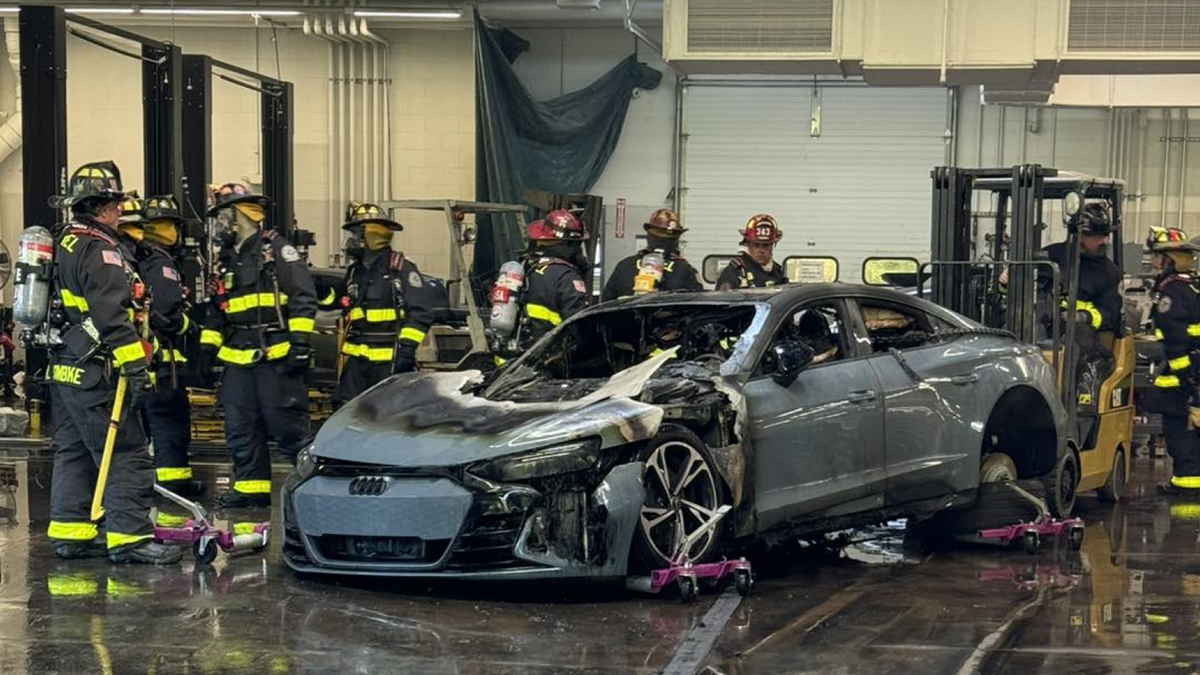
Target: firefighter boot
{"type": "Point", "coordinates": [92, 548]}
{"type": "Point", "coordinates": [237, 500]}
{"type": "Point", "coordinates": [145, 552]}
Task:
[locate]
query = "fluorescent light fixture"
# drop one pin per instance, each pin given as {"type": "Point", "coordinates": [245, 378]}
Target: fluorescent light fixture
{"type": "Point", "coordinates": [9, 10]}
{"type": "Point", "coordinates": [99, 10]}
{"type": "Point", "coordinates": [221, 12]}
{"type": "Point", "coordinates": [410, 14]}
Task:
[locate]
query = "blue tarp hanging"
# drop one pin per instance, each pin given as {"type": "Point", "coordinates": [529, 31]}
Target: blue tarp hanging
{"type": "Point", "coordinates": [559, 145]}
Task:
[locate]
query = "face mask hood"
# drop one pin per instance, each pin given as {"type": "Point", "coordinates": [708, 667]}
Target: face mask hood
{"type": "Point", "coordinates": [132, 231]}
{"type": "Point", "coordinates": [376, 237]}
{"type": "Point", "coordinates": [667, 245]}
{"type": "Point", "coordinates": [162, 232]}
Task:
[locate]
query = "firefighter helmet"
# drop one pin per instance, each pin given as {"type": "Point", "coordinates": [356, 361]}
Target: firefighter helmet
{"type": "Point", "coordinates": [362, 213]}
{"type": "Point", "coordinates": [95, 181]}
{"type": "Point", "coordinates": [666, 221]}
{"type": "Point", "coordinates": [564, 225]}
{"type": "Point", "coordinates": [1095, 220]}
{"type": "Point", "coordinates": [1168, 239]}
{"type": "Point", "coordinates": [132, 211]}
{"type": "Point", "coordinates": [235, 193]}
{"type": "Point", "coordinates": [538, 230]}
{"type": "Point", "coordinates": [761, 229]}
{"type": "Point", "coordinates": [163, 207]}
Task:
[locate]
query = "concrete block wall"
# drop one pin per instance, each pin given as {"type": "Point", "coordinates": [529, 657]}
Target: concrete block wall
{"type": "Point", "coordinates": [432, 108]}
{"type": "Point", "coordinates": [433, 134]}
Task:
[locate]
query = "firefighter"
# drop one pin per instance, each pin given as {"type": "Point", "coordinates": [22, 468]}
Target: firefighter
{"type": "Point", "coordinates": [1097, 309]}
{"type": "Point", "coordinates": [260, 320]}
{"type": "Point", "coordinates": [1175, 394]}
{"type": "Point", "coordinates": [1098, 306]}
{"type": "Point", "coordinates": [555, 289]}
{"type": "Point", "coordinates": [94, 309]}
{"type": "Point", "coordinates": [152, 228]}
{"type": "Point", "coordinates": [754, 267]}
{"type": "Point", "coordinates": [388, 305]}
{"type": "Point", "coordinates": [663, 231]}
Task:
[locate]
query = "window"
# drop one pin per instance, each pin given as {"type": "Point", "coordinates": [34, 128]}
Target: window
{"type": "Point", "coordinates": [898, 327]}
{"type": "Point", "coordinates": [580, 356]}
{"type": "Point", "coordinates": [819, 326]}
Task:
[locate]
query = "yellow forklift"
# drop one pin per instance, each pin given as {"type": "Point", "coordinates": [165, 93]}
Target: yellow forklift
{"type": "Point", "coordinates": [1003, 280]}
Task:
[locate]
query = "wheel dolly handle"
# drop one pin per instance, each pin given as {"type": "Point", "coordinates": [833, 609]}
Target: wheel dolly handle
{"type": "Point", "coordinates": [685, 544]}
{"type": "Point", "coordinates": [199, 515]}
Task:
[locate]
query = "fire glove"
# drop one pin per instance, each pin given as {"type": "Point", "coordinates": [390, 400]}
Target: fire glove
{"type": "Point", "coordinates": [206, 368]}
{"type": "Point", "coordinates": [299, 357]}
{"type": "Point", "coordinates": [1193, 417]}
{"type": "Point", "coordinates": [138, 382]}
{"type": "Point", "coordinates": [405, 360]}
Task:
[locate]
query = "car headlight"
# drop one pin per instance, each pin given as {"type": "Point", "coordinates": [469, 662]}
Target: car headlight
{"type": "Point", "coordinates": [552, 461]}
{"type": "Point", "coordinates": [306, 463]}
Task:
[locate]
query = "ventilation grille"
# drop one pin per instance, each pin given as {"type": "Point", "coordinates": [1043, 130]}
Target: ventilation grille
{"type": "Point", "coordinates": [760, 26]}
{"type": "Point", "coordinates": [1134, 25]}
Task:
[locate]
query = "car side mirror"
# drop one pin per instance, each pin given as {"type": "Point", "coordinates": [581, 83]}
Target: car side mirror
{"type": "Point", "coordinates": [790, 358]}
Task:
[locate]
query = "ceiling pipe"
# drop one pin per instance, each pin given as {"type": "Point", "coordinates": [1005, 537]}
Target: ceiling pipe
{"type": "Point", "coordinates": [385, 83]}
{"type": "Point", "coordinates": [10, 132]}
{"type": "Point", "coordinates": [636, 30]}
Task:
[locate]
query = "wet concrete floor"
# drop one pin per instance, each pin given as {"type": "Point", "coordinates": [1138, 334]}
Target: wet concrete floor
{"type": "Point", "coordinates": [1129, 602]}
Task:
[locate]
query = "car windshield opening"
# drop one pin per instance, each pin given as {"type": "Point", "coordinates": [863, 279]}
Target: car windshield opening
{"type": "Point", "coordinates": [581, 356]}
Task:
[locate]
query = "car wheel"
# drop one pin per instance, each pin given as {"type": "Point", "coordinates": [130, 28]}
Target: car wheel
{"type": "Point", "coordinates": [996, 505]}
{"type": "Point", "coordinates": [1061, 485]}
{"type": "Point", "coordinates": [683, 490]}
{"type": "Point", "coordinates": [1115, 485]}
{"type": "Point", "coordinates": [997, 467]}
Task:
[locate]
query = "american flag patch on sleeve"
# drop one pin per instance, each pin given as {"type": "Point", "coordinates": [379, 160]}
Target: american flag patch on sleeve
{"type": "Point", "coordinates": [112, 258]}
{"type": "Point", "coordinates": [170, 273]}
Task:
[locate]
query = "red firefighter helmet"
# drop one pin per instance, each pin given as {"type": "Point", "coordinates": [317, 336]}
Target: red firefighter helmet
{"type": "Point", "coordinates": [538, 230]}
{"type": "Point", "coordinates": [667, 221]}
{"type": "Point", "coordinates": [761, 229]}
{"type": "Point", "coordinates": [565, 226]}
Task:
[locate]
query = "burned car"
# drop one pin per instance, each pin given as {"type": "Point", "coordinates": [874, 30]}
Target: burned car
{"type": "Point", "coordinates": [804, 408]}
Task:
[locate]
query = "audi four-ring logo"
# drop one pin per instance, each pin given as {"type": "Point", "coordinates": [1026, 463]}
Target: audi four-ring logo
{"type": "Point", "coordinates": [369, 486]}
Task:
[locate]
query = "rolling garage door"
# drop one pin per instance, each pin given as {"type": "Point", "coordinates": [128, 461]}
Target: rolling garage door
{"type": "Point", "coordinates": [860, 188]}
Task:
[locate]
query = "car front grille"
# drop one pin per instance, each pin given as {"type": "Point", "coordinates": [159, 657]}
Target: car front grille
{"type": "Point", "coordinates": [410, 550]}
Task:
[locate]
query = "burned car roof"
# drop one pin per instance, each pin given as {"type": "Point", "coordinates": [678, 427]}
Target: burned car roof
{"type": "Point", "coordinates": [779, 296]}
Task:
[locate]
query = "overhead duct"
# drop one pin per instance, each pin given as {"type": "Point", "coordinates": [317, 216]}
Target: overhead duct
{"type": "Point", "coordinates": [359, 114]}
{"type": "Point", "coordinates": [930, 42]}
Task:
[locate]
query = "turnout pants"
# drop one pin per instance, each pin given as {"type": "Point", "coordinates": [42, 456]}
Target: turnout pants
{"type": "Point", "coordinates": [1182, 444]}
{"type": "Point", "coordinates": [260, 402]}
{"type": "Point", "coordinates": [359, 375]}
{"type": "Point", "coordinates": [167, 416]}
{"type": "Point", "coordinates": [80, 420]}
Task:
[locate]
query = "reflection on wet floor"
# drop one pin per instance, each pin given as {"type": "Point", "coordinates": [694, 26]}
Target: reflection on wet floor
{"type": "Point", "coordinates": [1128, 602]}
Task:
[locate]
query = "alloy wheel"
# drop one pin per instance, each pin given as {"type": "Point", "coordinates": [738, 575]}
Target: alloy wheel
{"type": "Point", "coordinates": [681, 496]}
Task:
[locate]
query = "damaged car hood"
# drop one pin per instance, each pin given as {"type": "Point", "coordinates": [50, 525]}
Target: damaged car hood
{"type": "Point", "coordinates": [425, 419]}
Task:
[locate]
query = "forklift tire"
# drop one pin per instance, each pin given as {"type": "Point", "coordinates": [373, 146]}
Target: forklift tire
{"type": "Point", "coordinates": [1115, 485]}
{"type": "Point", "coordinates": [1062, 484]}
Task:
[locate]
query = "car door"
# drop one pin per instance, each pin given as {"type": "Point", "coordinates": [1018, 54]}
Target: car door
{"type": "Point", "coordinates": [923, 379]}
{"type": "Point", "coordinates": [817, 442]}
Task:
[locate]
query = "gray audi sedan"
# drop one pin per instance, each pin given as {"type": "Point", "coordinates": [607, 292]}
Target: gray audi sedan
{"type": "Point", "coordinates": [598, 452]}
